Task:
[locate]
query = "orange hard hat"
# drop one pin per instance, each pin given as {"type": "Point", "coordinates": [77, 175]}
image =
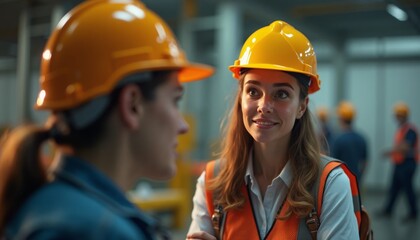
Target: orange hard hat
{"type": "Point", "coordinates": [401, 109]}
{"type": "Point", "coordinates": [279, 46]}
{"type": "Point", "coordinates": [346, 111]}
{"type": "Point", "coordinates": [99, 43]}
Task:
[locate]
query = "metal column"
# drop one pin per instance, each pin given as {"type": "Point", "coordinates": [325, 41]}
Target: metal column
{"type": "Point", "coordinates": [339, 63]}
{"type": "Point", "coordinates": [23, 65]}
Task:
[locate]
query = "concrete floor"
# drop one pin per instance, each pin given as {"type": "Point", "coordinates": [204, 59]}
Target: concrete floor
{"type": "Point", "coordinates": [392, 228]}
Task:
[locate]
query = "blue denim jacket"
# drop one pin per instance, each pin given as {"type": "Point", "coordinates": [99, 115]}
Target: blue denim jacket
{"type": "Point", "coordinates": [81, 203]}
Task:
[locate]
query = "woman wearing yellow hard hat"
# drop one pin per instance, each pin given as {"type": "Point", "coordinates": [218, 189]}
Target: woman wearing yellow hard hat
{"type": "Point", "coordinates": [111, 77]}
{"type": "Point", "coordinates": [266, 183]}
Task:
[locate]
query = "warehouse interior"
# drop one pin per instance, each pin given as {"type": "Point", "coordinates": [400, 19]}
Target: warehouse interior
{"type": "Point", "coordinates": [368, 53]}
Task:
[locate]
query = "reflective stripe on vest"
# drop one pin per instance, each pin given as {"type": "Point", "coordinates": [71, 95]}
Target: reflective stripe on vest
{"type": "Point", "coordinates": [241, 223]}
{"type": "Point", "coordinates": [398, 157]}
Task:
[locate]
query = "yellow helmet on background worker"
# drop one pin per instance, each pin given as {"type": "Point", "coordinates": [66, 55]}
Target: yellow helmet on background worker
{"type": "Point", "coordinates": [401, 109]}
{"type": "Point", "coordinates": [279, 46]}
{"type": "Point", "coordinates": [322, 113]}
{"type": "Point", "coordinates": [99, 43]}
{"type": "Point", "coordinates": [346, 111]}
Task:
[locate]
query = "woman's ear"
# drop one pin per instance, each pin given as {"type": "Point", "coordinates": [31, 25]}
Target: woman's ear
{"type": "Point", "coordinates": [302, 107]}
{"type": "Point", "coordinates": [130, 105]}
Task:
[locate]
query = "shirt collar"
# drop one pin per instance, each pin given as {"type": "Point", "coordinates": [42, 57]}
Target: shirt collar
{"type": "Point", "coordinates": [286, 174]}
{"type": "Point", "coordinates": [88, 179]}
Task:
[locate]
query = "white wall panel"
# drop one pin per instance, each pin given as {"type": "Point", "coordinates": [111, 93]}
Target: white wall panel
{"type": "Point", "coordinates": [374, 88]}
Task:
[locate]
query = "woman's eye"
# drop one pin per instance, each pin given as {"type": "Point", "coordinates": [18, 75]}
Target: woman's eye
{"type": "Point", "coordinates": [281, 94]}
{"type": "Point", "coordinates": [252, 92]}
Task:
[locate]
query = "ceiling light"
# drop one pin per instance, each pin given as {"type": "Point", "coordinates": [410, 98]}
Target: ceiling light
{"type": "Point", "coordinates": [396, 12]}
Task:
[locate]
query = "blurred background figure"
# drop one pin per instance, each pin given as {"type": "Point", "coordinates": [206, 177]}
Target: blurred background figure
{"type": "Point", "coordinates": [325, 133]}
{"type": "Point", "coordinates": [404, 156]}
{"type": "Point", "coordinates": [349, 145]}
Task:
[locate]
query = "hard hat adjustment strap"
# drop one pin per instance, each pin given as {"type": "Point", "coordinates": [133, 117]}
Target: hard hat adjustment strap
{"type": "Point", "coordinates": [136, 78]}
{"type": "Point", "coordinates": [84, 115]}
{"type": "Point", "coordinates": [302, 78]}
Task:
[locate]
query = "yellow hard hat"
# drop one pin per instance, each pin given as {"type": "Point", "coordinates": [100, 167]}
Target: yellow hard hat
{"type": "Point", "coordinates": [279, 46]}
{"type": "Point", "coordinates": [346, 111]}
{"type": "Point", "coordinates": [401, 109]}
{"type": "Point", "coordinates": [99, 43]}
{"type": "Point", "coordinates": [322, 113]}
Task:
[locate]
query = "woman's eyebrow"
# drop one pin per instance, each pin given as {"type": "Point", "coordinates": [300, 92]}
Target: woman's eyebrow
{"type": "Point", "coordinates": [283, 85]}
{"type": "Point", "coordinates": [256, 82]}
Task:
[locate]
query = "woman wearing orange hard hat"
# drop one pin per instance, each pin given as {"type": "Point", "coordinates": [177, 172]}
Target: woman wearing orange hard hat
{"type": "Point", "coordinates": [111, 77]}
{"type": "Point", "coordinates": [262, 185]}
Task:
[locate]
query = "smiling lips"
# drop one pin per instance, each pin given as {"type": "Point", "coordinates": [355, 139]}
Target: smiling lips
{"type": "Point", "coordinates": [264, 123]}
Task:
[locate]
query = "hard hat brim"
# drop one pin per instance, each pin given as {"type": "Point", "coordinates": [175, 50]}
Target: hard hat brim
{"type": "Point", "coordinates": [195, 72]}
{"type": "Point", "coordinates": [312, 88]}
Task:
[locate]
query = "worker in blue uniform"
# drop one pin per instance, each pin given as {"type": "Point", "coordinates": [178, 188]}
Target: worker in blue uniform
{"type": "Point", "coordinates": [349, 145]}
{"type": "Point", "coordinates": [404, 155]}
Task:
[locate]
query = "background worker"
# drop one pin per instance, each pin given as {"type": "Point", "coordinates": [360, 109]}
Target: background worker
{"type": "Point", "coordinates": [349, 145]}
{"type": "Point", "coordinates": [325, 132]}
{"type": "Point", "coordinates": [404, 156]}
{"type": "Point", "coordinates": [111, 76]}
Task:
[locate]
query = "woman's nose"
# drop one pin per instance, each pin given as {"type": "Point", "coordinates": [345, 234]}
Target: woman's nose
{"type": "Point", "coordinates": [265, 105]}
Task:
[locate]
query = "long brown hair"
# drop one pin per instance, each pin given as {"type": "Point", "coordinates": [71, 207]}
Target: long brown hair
{"type": "Point", "coordinates": [303, 154]}
{"type": "Point", "coordinates": [21, 168]}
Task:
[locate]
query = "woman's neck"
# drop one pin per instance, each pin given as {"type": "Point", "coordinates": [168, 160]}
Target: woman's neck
{"type": "Point", "coordinates": [269, 159]}
{"type": "Point", "coordinates": [110, 158]}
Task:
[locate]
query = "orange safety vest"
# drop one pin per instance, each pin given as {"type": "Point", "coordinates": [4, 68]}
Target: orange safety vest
{"type": "Point", "coordinates": [240, 223]}
{"type": "Point", "coordinates": [398, 157]}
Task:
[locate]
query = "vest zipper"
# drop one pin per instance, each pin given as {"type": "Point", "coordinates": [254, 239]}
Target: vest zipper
{"type": "Point", "coordinates": [253, 213]}
{"type": "Point", "coordinates": [255, 220]}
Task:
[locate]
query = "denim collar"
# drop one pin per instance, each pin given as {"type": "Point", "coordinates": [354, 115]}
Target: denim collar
{"type": "Point", "coordinates": [95, 184]}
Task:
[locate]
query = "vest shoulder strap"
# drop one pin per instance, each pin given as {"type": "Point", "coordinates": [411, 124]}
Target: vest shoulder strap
{"type": "Point", "coordinates": [327, 165]}
{"type": "Point", "coordinates": [212, 170]}
{"type": "Point", "coordinates": [215, 211]}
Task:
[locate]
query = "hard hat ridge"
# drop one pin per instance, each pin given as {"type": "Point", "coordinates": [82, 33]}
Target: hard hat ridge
{"type": "Point", "coordinates": [279, 46]}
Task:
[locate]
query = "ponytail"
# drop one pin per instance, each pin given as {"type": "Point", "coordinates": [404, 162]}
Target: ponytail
{"type": "Point", "coordinates": [21, 169]}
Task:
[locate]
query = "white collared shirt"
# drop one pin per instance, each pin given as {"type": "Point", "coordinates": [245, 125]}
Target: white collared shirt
{"type": "Point", "coordinates": [337, 217]}
{"type": "Point", "coordinates": [266, 208]}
